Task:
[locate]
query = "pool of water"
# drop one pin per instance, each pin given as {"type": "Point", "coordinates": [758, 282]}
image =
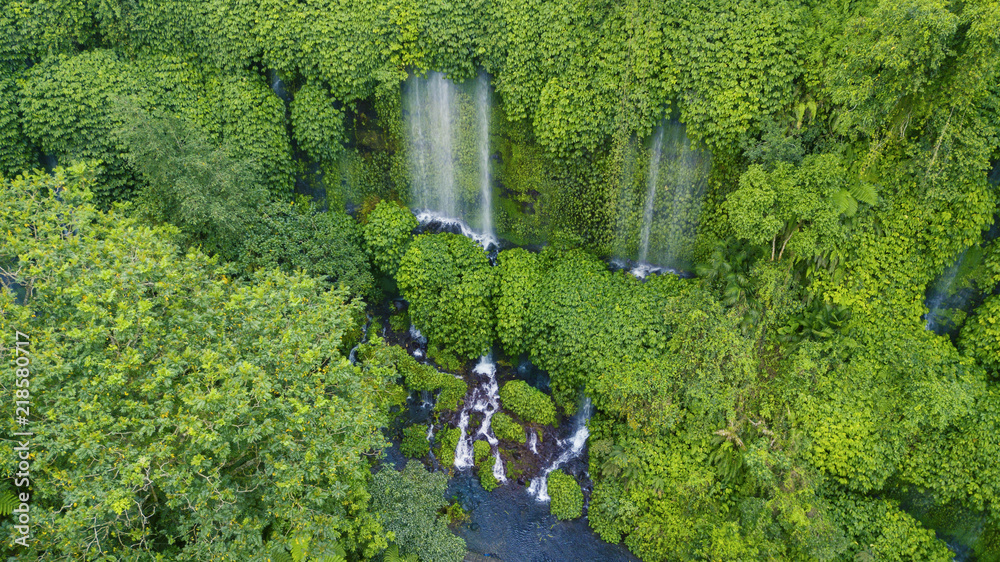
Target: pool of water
{"type": "Point", "coordinates": [510, 525]}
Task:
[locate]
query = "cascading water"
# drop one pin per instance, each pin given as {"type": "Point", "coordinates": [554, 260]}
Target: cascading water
{"type": "Point", "coordinates": [450, 184]}
{"type": "Point", "coordinates": [485, 399]}
{"type": "Point", "coordinates": [951, 292]}
{"type": "Point", "coordinates": [573, 448]}
{"type": "Point", "coordinates": [485, 189]}
{"type": "Point", "coordinates": [660, 235]}
{"type": "Point", "coordinates": [652, 180]}
{"type": "Point", "coordinates": [533, 441]}
{"type": "Point", "coordinates": [432, 117]}
{"type": "Point", "coordinates": [419, 339]}
{"type": "Point", "coordinates": [278, 86]}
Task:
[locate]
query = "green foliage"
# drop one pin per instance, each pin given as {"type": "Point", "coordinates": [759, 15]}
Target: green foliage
{"type": "Point", "coordinates": [408, 504]}
{"type": "Point", "coordinates": [72, 108]}
{"type": "Point", "coordinates": [487, 480]}
{"type": "Point", "coordinates": [318, 125]}
{"type": "Point", "coordinates": [415, 444]}
{"type": "Point", "coordinates": [751, 414]}
{"type": "Point", "coordinates": [508, 429]}
{"type": "Point", "coordinates": [300, 237]}
{"type": "Point", "coordinates": [387, 232]}
{"type": "Point", "coordinates": [881, 531]}
{"type": "Point", "coordinates": [530, 404]}
{"type": "Point", "coordinates": [8, 501]}
{"type": "Point", "coordinates": [417, 376]}
{"type": "Point", "coordinates": [981, 334]}
{"type": "Point", "coordinates": [392, 554]}
{"type": "Point", "coordinates": [15, 152]}
{"type": "Point", "coordinates": [400, 321]}
{"type": "Point", "coordinates": [447, 442]}
{"type": "Point", "coordinates": [797, 204]}
{"type": "Point", "coordinates": [187, 182]}
{"type": "Point", "coordinates": [208, 383]}
{"type": "Point", "coordinates": [889, 57]}
{"type": "Point", "coordinates": [480, 452]}
{"type": "Point", "coordinates": [455, 513]}
{"type": "Point", "coordinates": [567, 498]}
{"type": "Point", "coordinates": [448, 281]}
{"type": "Point", "coordinates": [518, 281]}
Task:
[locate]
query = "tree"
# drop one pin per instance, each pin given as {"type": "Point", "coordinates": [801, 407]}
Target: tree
{"type": "Point", "coordinates": [190, 183]}
{"type": "Point", "coordinates": [805, 202]}
{"type": "Point", "coordinates": [387, 231]}
{"type": "Point", "coordinates": [176, 412]}
{"type": "Point", "coordinates": [408, 504]}
{"type": "Point", "coordinates": [448, 281]}
{"type": "Point", "coordinates": [324, 244]}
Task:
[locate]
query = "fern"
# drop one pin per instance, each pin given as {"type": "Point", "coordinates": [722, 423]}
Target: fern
{"type": "Point", "coordinates": [300, 547]}
{"type": "Point", "coordinates": [8, 501]}
{"type": "Point", "coordinates": [392, 554]}
{"type": "Point", "coordinates": [864, 192]}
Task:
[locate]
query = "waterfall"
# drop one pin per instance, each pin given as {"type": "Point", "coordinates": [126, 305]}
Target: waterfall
{"type": "Point", "coordinates": [486, 400]}
{"type": "Point", "coordinates": [652, 180]}
{"type": "Point", "coordinates": [449, 155]}
{"type": "Point", "coordinates": [573, 447]}
{"type": "Point", "coordinates": [658, 218]}
{"type": "Point", "coordinates": [432, 116]}
{"type": "Point", "coordinates": [485, 190]}
{"type": "Point", "coordinates": [943, 297]}
{"type": "Point", "coordinates": [278, 86]}
{"type": "Point", "coordinates": [463, 452]}
{"type": "Point", "coordinates": [533, 441]}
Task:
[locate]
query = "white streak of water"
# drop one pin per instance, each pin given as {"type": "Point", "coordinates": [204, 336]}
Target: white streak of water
{"type": "Point", "coordinates": [574, 446]}
{"type": "Point", "coordinates": [651, 182]}
{"type": "Point", "coordinates": [463, 452]}
{"type": "Point", "coordinates": [487, 241]}
{"type": "Point", "coordinates": [485, 399]}
{"type": "Point", "coordinates": [485, 190]}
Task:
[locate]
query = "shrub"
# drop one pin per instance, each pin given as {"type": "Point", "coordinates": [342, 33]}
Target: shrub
{"type": "Point", "coordinates": [415, 444]}
{"type": "Point", "coordinates": [567, 497]}
{"type": "Point", "coordinates": [532, 405]}
{"type": "Point", "coordinates": [481, 451]}
{"type": "Point", "coordinates": [487, 480]}
{"type": "Point", "coordinates": [324, 244]}
{"type": "Point", "coordinates": [444, 359]}
{"type": "Point", "coordinates": [387, 232]}
{"type": "Point", "coordinates": [409, 503]}
{"type": "Point", "coordinates": [418, 376]}
{"type": "Point", "coordinates": [399, 322]}
{"type": "Point", "coordinates": [449, 282]}
{"type": "Point", "coordinates": [506, 428]}
{"type": "Point", "coordinates": [447, 441]}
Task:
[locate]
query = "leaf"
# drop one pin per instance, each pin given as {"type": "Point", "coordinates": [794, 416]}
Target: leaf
{"type": "Point", "coordinates": [8, 501]}
{"type": "Point", "coordinates": [300, 547]}
{"type": "Point", "coordinates": [864, 192]}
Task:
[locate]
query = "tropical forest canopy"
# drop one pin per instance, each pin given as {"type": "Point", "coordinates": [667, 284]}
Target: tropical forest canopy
{"type": "Point", "coordinates": [823, 383]}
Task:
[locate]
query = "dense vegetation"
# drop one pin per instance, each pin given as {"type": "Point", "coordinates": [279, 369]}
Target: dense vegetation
{"type": "Point", "coordinates": [194, 391]}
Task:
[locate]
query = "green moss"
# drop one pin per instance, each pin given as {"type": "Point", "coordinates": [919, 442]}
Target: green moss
{"type": "Point", "coordinates": [567, 497]}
